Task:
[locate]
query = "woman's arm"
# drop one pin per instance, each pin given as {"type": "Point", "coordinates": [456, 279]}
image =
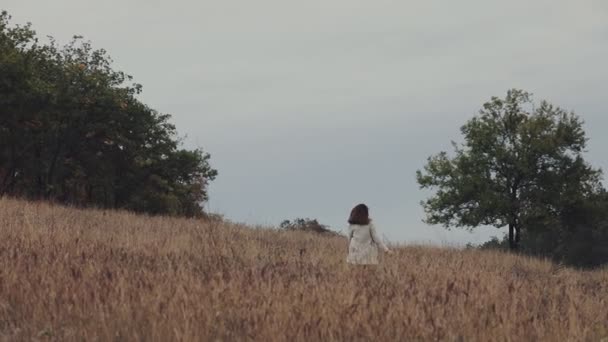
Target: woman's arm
{"type": "Point", "coordinates": [349, 236]}
{"type": "Point", "coordinates": [377, 238]}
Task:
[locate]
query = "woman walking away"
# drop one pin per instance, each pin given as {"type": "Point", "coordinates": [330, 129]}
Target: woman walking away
{"type": "Point", "coordinates": [363, 239]}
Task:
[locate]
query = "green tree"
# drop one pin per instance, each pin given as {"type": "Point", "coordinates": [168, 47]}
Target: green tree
{"type": "Point", "coordinates": [22, 94]}
{"type": "Point", "coordinates": [520, 166]}
{"type": "Point", "coordinates": [579, 239]}
{"type": "Point", "coordinates": [73, 131]}
{"type": "Point", "coordinates": [582, 236]}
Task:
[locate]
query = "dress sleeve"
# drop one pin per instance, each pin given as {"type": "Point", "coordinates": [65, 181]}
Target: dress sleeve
{"type": "Point", "coordinates": [377, 239]}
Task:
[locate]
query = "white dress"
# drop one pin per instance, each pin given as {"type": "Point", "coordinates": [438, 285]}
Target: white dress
{"type": "Point", "coordinates": [363, 245]}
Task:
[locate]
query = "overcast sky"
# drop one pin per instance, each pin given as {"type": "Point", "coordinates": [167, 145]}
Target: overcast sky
{"type": "Point", "coordinates": [310, 107]}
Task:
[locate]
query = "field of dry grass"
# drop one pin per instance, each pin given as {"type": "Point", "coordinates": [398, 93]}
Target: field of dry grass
{"type": "Point", "coordinates": [91, 275]}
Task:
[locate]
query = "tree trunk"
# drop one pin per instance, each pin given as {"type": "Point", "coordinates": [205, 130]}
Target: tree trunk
{"type": "Point", "coordinates": [514, 222]}
{"type": "Point", "coordinates": [512, 245]}
{"type": "Point", "coordinates": [7, 181]}
{"type": "Point", "coordinates": [10, 173]}
{"type": "Point", "coordinates": [40, 183]}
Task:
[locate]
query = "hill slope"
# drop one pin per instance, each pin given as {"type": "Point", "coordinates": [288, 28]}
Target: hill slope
{"type": "Point", "coordinates": [68, 274]}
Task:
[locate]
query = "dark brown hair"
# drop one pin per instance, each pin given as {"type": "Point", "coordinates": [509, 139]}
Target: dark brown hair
{"type": "Point", "coordinates": [359, 215]}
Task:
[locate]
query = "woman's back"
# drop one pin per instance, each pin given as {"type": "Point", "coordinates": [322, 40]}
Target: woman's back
{"type": "Point", "coordinates": [361, 234]}
{"type": "Point", "coordinates": [363, 244]}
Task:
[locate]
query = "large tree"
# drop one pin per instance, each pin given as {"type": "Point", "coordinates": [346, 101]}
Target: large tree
{"type": "Point", "coordinates": [520, 166]}
{"type": "Point", "coordinates": [72, 130]}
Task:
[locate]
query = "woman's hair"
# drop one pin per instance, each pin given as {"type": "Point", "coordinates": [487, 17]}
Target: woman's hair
{"type": "Point", "coordinates": [359, 215]}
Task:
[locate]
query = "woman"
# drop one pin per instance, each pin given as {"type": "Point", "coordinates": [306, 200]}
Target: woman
{"type": "Point", "coordinates": [363, 239]}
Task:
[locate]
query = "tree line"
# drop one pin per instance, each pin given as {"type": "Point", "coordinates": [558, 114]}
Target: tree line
{"type": "Point", "coordinates": [73, 131]}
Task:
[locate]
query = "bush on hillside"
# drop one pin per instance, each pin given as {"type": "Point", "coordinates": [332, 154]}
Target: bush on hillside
{"type": "Point", "coordinates": [308, 225]}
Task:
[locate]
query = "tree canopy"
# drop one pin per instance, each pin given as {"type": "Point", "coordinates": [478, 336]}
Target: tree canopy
{"type": "Point", "coordinates": [520, 166]}
{"type": "Point", "coordinates": [73, 130]}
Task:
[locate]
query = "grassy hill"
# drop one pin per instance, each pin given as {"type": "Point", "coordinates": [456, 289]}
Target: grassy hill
{"type": "Point", "coordinates": [68, 274]}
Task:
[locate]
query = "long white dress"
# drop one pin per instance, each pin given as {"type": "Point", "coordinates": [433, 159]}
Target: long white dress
{"type": "Point", "coordinates": [363, 245]}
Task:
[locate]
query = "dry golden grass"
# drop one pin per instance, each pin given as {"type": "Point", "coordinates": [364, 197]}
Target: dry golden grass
{"type": "Point", "coordinates": [91, 275]}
